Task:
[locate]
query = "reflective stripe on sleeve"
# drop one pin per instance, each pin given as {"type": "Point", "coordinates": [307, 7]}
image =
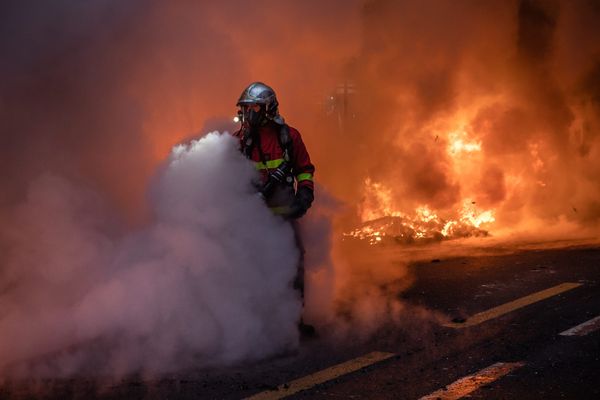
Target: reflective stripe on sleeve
{"type": "Point", "coordinates": [271, 164]}
{"type": "Point", "coordinates": [304, 177]}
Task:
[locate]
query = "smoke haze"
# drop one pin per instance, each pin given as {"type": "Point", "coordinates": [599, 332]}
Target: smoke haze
{"type": "Point", "coordinates": [85, 83]}
{"type": "Point", "coordinates": [493, 103]}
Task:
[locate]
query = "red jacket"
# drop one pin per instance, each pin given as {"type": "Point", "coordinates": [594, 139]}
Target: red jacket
{"type": "Point", "coordinates": [273, 153]}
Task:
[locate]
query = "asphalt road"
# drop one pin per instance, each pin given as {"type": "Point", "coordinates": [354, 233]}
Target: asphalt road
{"type": "Point", "coordinates": [425, 356]}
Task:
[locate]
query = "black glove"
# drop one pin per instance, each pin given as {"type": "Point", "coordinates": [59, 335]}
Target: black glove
{"type": "Point", "coordinates": [276, 177]}
{"type": "Point", "coordinates": [302, 202]}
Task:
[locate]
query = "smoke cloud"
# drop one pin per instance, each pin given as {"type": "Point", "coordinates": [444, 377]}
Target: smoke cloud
{"type": "Point", "coordinates": [496, 104]}
{"type": "Point", "coordinates": [207, 283]}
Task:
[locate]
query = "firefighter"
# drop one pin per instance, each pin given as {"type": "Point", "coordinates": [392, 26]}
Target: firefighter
{"type": "Point", "coordinates": [279, 154]}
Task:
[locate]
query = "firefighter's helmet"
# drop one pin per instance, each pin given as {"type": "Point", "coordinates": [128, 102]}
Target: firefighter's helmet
{"type": "Point", "coordinates": [263, 95]}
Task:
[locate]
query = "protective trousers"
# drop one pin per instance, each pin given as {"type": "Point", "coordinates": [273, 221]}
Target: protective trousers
{"type": "Point", "coordinates": [299, 279]}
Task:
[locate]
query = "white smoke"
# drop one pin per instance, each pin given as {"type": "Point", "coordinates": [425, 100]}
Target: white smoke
{"type": "Point", "coordinates": [207, 283]}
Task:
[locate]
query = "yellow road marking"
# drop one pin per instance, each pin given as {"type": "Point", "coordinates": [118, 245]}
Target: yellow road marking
{"type": "Point", "coordinates": [584, 328]}
{"type": "Point", "coordinates": [513, 305]}
{"type": "Point", "coordinates": [470, 383]}
{"type": "Point", "coordinates": [322, 376]}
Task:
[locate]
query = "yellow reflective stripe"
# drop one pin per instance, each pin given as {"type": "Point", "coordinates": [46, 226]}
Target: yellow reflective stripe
{"type": "Point", "coordinates": [280, 210]}
{"type": "Point", "coordinates": [304, 177]}
{"type": "Point", "coordinates": [271, 164]}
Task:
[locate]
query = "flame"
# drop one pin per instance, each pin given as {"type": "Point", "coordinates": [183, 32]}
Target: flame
{"type": "Point", "coordinates": [377, 202]}
{"type": "Point", "coordinates": [459, 143]}
{"type": "Point", "coordinates": [380, 221]}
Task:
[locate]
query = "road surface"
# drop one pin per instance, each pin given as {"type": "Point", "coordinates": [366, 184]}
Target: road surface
{"type": "Point", "coordinates": [512, 325]}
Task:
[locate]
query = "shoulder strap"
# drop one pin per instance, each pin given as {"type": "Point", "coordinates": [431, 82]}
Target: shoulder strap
{"type": "Point", "coordinates": [285, 141]}
{"type": "Point", "coordinates": [249, 141]}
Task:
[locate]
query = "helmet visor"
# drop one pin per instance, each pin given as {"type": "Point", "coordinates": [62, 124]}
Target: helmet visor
{"type": "Point", "coordinates": [251, 114]}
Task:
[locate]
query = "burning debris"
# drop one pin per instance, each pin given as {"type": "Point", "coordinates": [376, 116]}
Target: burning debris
{"type": "Point", "coordinates": [381, 223]}
{"type": "Point", "coordinates": [424, 227]}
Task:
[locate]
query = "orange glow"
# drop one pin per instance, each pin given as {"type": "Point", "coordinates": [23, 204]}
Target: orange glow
{"type": "Point", "coordinates": [377, 89]}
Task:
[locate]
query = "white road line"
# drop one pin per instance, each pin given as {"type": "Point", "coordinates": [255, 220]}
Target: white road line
{"type": "Point", "coordinates": [319, 377]}
{"type": "Point", "coordinates": [513, 305]}
{"type": "Point", "coordinates": [584, 328]}
{"type": "Point", "coordinates": [470, 383]}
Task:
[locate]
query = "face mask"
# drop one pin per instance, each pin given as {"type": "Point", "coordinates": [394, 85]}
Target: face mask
{"type": "Point", "coordinates": [251, 117]}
